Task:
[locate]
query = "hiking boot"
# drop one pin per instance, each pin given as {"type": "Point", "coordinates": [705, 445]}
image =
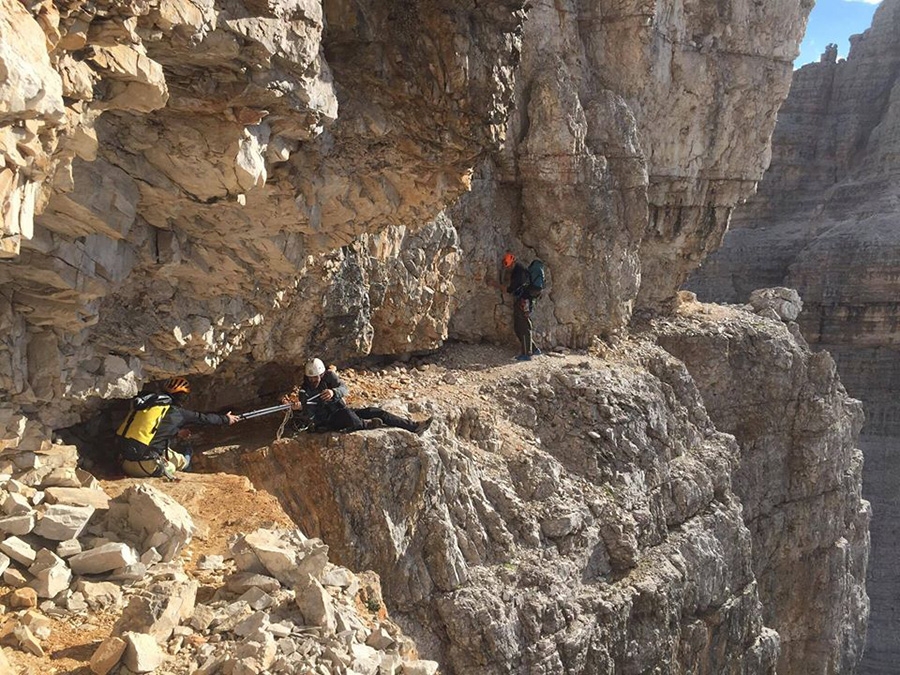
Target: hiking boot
{"type": "Point", "coordinates": [374, 423]}
{"type": "Point", "coordinates": [422, 426]}
{"type": "Point", "coordinates": [536, 351]}
{"type": "Point", "coordinates": [523, 357]}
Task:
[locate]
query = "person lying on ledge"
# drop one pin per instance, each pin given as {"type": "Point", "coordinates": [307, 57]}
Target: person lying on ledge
{"type": "Point", "coordinates": [321, 396]}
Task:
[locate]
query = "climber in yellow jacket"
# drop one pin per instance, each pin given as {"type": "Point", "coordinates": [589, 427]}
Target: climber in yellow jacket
{"type": "Point", "coordinates": [152, 423]}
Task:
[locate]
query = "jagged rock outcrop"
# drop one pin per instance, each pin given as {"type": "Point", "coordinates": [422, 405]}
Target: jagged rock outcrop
{"type": "Point", "coordinates": [220, 188]}
{"type": "Point", "coordinates": [799, 479]}
{"type": "Point", "coordinates": [247, 143]}
{"type": "Point", "coordinates": [824, 223]}
{"type": "Point", "coordinates": [824, 219]}
{"type": "Point", "coordinates": [539, 534]}
{"type": "Point", "coordinates": [194, 140]}
{"type": "Point", "coordinates": [621, 167]}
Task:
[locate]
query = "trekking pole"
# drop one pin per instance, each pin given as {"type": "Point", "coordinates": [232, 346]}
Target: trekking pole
{"type": "Point", "coordinates": [263, 411]}
{"type": "Point", "coordinates": [273, 409]}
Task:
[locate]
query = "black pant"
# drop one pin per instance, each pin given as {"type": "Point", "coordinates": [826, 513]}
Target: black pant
{"type": "Point", "coordinates": [522, 323]}
{"type": "Point", "coordinates": [351, 419]}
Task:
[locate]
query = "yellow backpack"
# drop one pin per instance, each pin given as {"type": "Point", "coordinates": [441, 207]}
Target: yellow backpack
{"type": "Point", "coordinates": [144, 417]}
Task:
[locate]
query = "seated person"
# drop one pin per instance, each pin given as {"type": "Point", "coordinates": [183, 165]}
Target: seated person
{"type": "Point", "coordinates": [327, 411]}
{"type": "Point", "coordinates": [153, 422]}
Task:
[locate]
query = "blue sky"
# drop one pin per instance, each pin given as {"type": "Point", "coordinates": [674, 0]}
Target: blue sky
{"type": "Point", "coordinates": [834, 21]}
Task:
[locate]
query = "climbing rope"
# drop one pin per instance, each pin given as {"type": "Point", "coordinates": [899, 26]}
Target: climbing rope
{"type": "Point", "coordinates": [287, 416]}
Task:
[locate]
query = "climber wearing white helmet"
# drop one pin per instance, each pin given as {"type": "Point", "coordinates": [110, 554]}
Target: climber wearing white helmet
{"type": "Point", "coordinates": [321, 397]}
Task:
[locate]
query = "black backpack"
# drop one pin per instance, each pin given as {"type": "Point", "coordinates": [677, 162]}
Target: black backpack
{"type": "Point", "coordinates": [537, 279]}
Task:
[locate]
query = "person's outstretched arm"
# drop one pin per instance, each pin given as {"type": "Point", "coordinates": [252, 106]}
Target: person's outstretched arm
{"type": "Point", "coordinates": [191, 417]}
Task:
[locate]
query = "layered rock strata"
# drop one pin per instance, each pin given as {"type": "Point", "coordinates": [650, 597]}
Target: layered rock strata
{"type": "Point", "coordinates": [149, 150]}
{"type": "Point", "coordinates": [824, 219]}
{"type": "Point", "coordinates": [169, 146]}
{"type": "Point", "coordinates": [622, 164]}
{"type": "Point", "coordinates": [799, 478]}
{"type": "Point", "coordinates": [824, 222]}
{"type": "Point", "coordinates": [592, 517]}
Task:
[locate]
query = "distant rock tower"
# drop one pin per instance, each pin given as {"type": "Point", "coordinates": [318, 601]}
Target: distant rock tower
{"type": "Point", "coordinates": [829, 55]}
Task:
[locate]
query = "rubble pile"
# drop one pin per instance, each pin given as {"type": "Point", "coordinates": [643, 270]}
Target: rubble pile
{"type": "Point", "coordinates": [273, 603]}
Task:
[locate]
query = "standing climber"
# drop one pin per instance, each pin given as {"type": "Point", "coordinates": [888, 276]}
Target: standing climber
{"type": "Point", "coordinates": [152, 423]}
{"type": "Point", "coordinates": [321, 396]}
{"type": "Point", "coordinates": [519, 286]}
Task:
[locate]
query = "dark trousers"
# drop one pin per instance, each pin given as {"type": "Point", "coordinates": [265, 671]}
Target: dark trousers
{"type": "Point", "coordinates": [522, 323]}
{"type": "Point", "coordinates": [351, 419]}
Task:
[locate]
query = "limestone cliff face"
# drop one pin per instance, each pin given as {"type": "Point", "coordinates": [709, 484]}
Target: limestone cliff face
{"type": "Point", "coordinates": [193, 181]}
{"type": "Point", "coordinates": [621, 166]}
{"type": "Point", "coordinates": [151, 148]}
{"type": "Point", "coordinates": [219, 188]}
{"type": "Point", "coordinates": [542, 535]}
{"type": "Point", "coordinates": [825, 222]}
{"type": "Point", "coordinates": [593, 518]}
{"type": "Point", "coordinates": [799, 478]}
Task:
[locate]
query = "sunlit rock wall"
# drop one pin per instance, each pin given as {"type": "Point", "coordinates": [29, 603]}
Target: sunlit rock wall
{"type": "Point", "coordinates": [637, 128]}
{"type": "Point", "coordinates": [825, 221]}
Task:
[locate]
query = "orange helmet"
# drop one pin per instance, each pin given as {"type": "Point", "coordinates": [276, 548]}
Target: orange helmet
{"type": "Point", "coordinates": [178, 385]}
{"type": "Point", "coordinates": [509, 259]}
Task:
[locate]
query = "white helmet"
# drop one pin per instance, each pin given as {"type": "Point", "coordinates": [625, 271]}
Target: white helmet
{"type": "Point", "coordinates": [315, 368]}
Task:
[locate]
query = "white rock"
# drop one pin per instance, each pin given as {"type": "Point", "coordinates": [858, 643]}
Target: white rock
{"type": "Point", "coordinates": [75, 602]}
{"type": "Point", "coordinates": [78, 496]}
{"type": "Point", "coordinates": [379, 638]}
{"type": "Point", "coordinates": [99, 595]}
{"type": "Point", "coordinates": [102, 559]}
{"type": "Point", "coordinates": [280, 630]}
{"type": "Point", "coordinates": [253, 623]}
{"type": "Point", "coordinates": [20, 524]}
{"type": "Point", "coordinates": [61, 477]}
{"type": "Point", "coordinates": [390, 664]}
{"type": "Point", "coordinates": [211, 562]}
{"type": "Point", "coordinates": [37, 623]}
{"type": "Point", "coordinates": [4, 562]}
{"type": "Point", "coordinates": [142, 654]}
{"type": "Point", "coordinates": [159, 609]}
{"type": "Point", "coordinates": [243, 581]}
{"type": "Point", "coordinates": [68, 548]}
{"type": "Point", "coordinates": [282, 555]}
{"type": "Point", "coordinates": [159, 519]}
{"type": "Point", "coordinates": [51, 581]}
{"type": "Point", "coordinates": [13, 577]}
{"type": "Point", "coordinates": [18, 487]}
{"type": "Point", "coordinates": [151, 556]}
{"type": "Point", "coordinates": [61, 521]}
{"type": "Point", "coordinates": [420, 667]}
{"type": "Point", "coordinates": [337, 576]}
{"type": "Point", "coordinates": [45, 559]}
{"type": "Point", "coordinates": [27, 640]}
{"type": "Point", "coordinates": [15, 504]}
{"type": "Point", "coordinates": [366, 660]}
{"type": "Point", "coordinates": [203, 617]}
{"type": "Point", "coordinates": [257, 598]}
{"type": "Point", "coordinates": [315, 604]}
{"type": "Point", "coordinates": [19, 550]}
{"type": "Point", "coordinates": [51, 573]}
